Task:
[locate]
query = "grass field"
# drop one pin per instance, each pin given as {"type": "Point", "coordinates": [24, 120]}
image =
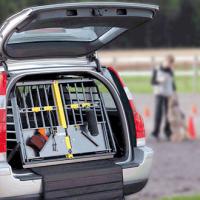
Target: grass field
{"type": "Point", "coordinates": [183, 198]}
{"type": "Point", "coordinates": [142, 84]}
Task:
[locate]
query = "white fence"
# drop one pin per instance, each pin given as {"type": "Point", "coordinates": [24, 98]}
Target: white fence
{"type": "Point", "coordinates": [194, 61]}
{"type": "Point", "coordinates": [148, 73]}
{"type": "Point", "coordinates": [147, 59]}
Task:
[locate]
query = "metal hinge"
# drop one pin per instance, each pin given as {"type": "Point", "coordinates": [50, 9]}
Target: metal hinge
{"type": "Point", "coordinates": [91, 58]}
{"type": "Point", "coordinates": [3, 63]}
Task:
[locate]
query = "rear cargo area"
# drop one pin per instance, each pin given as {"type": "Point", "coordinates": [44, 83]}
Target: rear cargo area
{"type": "Point", "coordinates": [61, 120]}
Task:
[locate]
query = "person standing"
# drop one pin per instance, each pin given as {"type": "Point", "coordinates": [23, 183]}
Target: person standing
{"type": "Point", "coordinates": [163, 87]}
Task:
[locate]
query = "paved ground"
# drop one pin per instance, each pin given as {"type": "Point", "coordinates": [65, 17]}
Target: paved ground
{"type": "Point", "coordinates": [176, 167]}
{"type": "Point", "coordinates": [175, 171]}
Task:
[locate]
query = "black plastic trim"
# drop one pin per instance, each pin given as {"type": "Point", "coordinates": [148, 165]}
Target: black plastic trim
{"type": "Point", "coordinates": [127, 109]}
{"type": "Point", "coordinates": [134, 187]}
{"type": "Point", "coordinates": [29, 177]}
{"type": "Point", "coordinates": [24, 197]}
{"type": "Point", "coordinates": [130, 165]}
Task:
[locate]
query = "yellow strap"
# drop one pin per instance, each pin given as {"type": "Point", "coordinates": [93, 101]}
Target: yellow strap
{"type": "Point", "coordinates": [61, 116]}
{"type": "Point", "coordinates": [48, 108]}
{"type": "Point", "coordinates": [86, 105]}
{"type": "Point", "coordinates": [68, 142]}
{"type": "Point", "coordinates": [36, 109]}
{"type": "Point", "coordinates": [69, 147]}
{"type": "Point", "coordinates": [59, 104]}
{"type": "Point", "coordinates": [69, 155]}
{"type": "Point", "coordinates": [74, 106]}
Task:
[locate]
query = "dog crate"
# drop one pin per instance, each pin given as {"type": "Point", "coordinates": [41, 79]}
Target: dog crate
{"type": "Point", "coordinates": [61, 120]}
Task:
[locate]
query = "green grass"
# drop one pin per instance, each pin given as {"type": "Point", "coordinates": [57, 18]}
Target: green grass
{"type": "Point", "coordinates": [142, 84]}
{"type": "Point", "coordinates": [138, 84]}
{"type": "Point", "coordinates": [182, 198]}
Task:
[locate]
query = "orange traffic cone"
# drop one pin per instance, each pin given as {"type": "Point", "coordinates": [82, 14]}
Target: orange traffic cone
{"type": "Point", "coordinates": [147, 112]}
{"type": "Point", "coordinates": [194, 109]}
{"type": "Point", "coordinates": [191, 128]}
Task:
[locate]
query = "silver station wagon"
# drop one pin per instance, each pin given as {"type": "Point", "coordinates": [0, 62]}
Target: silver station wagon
{"type": "Point", "coordinates": [69, 128]}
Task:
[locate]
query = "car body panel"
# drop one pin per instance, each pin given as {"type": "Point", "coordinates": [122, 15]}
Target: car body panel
{"type": "Point", "coordinates": [12, 186]}
{"type": "Point", "coordinates": [22, 66]}
{"type": "Point", "coordinates": [143, 157]}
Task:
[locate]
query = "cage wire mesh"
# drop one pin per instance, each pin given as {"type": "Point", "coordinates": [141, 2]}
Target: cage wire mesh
{"type": "Point", "coordinates": [84, 113]}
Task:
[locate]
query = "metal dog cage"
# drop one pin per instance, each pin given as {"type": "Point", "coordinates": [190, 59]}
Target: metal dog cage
{"type": "Point", "coordinates": [61, 120]}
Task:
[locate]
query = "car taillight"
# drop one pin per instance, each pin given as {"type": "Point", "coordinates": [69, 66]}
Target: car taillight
{"type": "Point", "coordinates": [3, 84]}
{"type": "Point", "coordinates": [138, 120]}
{"type": "Point", "coordinates": [140, 130]}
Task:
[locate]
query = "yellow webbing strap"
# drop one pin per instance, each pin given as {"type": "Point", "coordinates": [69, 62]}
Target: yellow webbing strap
{"type": "Point", "coordinates": [61, 116]}
{"type": "Point", "coordinates": [48, 108]}
{"type": "Point", "coordinates": [74, 106]}
{"type": "Point", "coordinates": [86, 105]}
{"type": "Point", "coordinates": [69, 147]}
{"type": "Point", "coordinates": [59, 104]}
{"type": "Point", "coordinates": [69, 155]}
{"type": "Point", "coordinates": [36, 109]}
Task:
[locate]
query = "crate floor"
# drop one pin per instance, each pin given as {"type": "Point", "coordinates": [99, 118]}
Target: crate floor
{"type": "Point", "coordinates": [94, 180]}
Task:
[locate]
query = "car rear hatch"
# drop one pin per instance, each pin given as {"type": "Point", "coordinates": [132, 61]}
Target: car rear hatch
{"type": "Point", "coordinates": [69, 30]}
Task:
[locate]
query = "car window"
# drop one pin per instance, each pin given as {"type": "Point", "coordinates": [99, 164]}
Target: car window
{"type": "Point", "coordinates": [83, 34]}
{"type": "Point", "coordinates": [108, 99]}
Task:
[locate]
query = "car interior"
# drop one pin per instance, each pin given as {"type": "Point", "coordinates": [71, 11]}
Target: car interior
{"type": "Point", "coordinates": [37, 129]}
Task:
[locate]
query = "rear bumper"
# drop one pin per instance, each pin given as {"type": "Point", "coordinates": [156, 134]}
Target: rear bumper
{"type": "Point", "coordinates": [10, 186]}
{"type": "Point", "coordinates": [135, 177]}
{"type": "Point", "coordinates": [136, 174]}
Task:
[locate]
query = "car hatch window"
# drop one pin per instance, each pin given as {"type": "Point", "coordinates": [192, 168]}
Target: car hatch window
{"type": "Point", "coordinates": [81, 34]}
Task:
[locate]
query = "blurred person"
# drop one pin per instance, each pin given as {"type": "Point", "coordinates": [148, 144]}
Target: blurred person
{"type": "Point", "coordinates": [163, 87]}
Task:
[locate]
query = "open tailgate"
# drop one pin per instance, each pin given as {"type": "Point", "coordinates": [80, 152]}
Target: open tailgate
{"type": "Point", "coordinates": [69, 30]}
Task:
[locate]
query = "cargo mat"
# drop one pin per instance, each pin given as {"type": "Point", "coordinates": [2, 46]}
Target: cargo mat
{"type": "Point", "coordinates": [94, 180]}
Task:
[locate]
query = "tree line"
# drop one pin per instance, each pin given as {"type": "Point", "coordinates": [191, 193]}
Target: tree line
{"type": "Point", "coordinates": [177, 24]}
